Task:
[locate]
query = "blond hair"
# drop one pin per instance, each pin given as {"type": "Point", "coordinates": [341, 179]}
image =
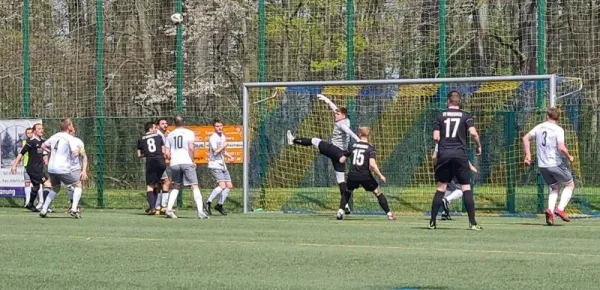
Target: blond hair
{"type": "Point", "coordinates": [364, 132]}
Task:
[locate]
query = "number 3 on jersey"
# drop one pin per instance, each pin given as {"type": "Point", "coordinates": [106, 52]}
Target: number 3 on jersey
{"type": "Point", "coordinates": [451, 125]}
{"type": "Point", "coordinates": [359, 157]}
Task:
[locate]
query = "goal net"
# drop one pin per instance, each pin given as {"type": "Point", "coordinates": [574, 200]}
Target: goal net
{"type": "Point", "coordinates": [290, 178]}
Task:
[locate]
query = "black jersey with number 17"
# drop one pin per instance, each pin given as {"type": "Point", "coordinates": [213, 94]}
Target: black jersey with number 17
{"type": "Point", "coordinates": [360, 158]}
{"type": "Point", "coordinates": [453, 125]}
{"type": "Point", "coordinates": [151, 146]}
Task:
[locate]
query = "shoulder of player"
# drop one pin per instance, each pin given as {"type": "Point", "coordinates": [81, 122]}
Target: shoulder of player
{"type": "Point", "coordinates": [343, 122]}
{"type": "Point", "coordinates": [363, 145]}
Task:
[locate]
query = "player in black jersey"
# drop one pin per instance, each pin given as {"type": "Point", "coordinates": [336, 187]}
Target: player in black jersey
{"type": "Point", "coordinates": [363, 165]}
{"type": "Point", "coordinates": [450, 133]}
{"type": "Point", "coordinates": [151, 146]}
{"type": "Point", "coordinates": [35, 162]}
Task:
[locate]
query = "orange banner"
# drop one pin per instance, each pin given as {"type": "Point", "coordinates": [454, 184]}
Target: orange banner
{"type": "Point", "coordinates": [235, 142]}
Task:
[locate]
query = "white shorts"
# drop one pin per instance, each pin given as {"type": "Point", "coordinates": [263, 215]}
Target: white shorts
{"type": "Point", "coordinates": [184, 174]}
{"type": "Point", "coordinates": [67, 179]}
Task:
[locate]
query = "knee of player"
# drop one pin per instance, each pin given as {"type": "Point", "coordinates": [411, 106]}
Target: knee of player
{"type": "Point", "coordinates": [570, 185]}
{"type": "Point", "coordinates": [376, 192]}
{"type": "Point", "coordinates": [35, 188]}
{"type": "Point", "coordinates": [176, 186]}
{"type": "Point", "coordinates": [56, 188]}
{"type": "Point", "coordinates": [229, 185]}
{"type": "Point", "coordinates": [27, 184]}
{"type": "Point", "coordinates": [465, 187]}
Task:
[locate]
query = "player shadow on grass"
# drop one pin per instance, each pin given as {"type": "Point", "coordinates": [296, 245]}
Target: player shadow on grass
{"type": "Point", "coordinates": [540, 224]}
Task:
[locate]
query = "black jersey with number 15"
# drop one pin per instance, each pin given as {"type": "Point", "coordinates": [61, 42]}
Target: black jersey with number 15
{"type": "Point", "coordinates": [453, 125]}
{"type": "Point", "coordinates": [151, 145]}
{"type": "Point", "coordinates": [360, 158]}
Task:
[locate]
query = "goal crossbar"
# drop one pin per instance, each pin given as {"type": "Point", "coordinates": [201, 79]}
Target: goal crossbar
{"type": "Point", "coordinates": [551, 78]}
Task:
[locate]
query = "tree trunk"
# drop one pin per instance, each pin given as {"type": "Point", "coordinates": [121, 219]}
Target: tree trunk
{"type": "Point", "coordinates": [146, 37]}
{"type": "Point", "coordinates": [527, 36]}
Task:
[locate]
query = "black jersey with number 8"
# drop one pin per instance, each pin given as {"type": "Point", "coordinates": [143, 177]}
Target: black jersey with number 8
{"type": "Point", "coordinates": [360, 160]}
{"type": "Point", "coordinates": [453, 125]}
{"type": "Point", "coordinates": [151, 146]}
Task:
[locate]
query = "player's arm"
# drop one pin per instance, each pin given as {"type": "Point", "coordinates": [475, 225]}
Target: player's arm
{"type": "Point", "coordinates": [473, 168]}
{"type": "Point", "coordinates": [527, 145]}
{"type": "Point", "coordinates": [139, 151]}
{"type": "Point", "coordinates": [213, 144]}
{"type": "Point", "coordinates": [436, 129]}
{"type": "Point", "coordinates": [474, 134]}
{"type": "Point", "coordinates": [84, 163]}
{"type": "Point", "coordinates": [191, 147]}
{"type": "Point", "coordinates": [167, 151]}
{"type": "Point", "coordinates": [561, 146]}
{"type": "Point", "coordinates": [24, 150]}
{"type": "Point", "coordinates": [46, 145]}
{"type": "Point", "coordinates": [375, 169]}
{"type": "Point", "coordinates": [434, 154]}
{"type": "Point", "coordinates": [348, 131]}
{"type": "Point", "coordinates": [332, 106]}
{"type": "Point", "coordinates": [45, 158]}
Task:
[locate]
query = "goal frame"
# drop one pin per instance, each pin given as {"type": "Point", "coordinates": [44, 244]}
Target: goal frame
{"type": "Point", "coordinates": [551, 78]}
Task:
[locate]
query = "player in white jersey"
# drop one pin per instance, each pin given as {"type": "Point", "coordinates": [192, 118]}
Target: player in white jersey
{"type": "Point", "coordinates": [63, 148]}
{"type": "Point", "coordinates": [550, 141]}
{"type": "Point", "coordinates": [163, 193]}
{"type": "Point", "coordinates": [217, 154]}
{"type": "Point", "coordinates": [337, 150]}
{"type": "Point", "coordinates": [180, 150]}
{"type": "Point", "coordinates": [453, 190]}
{"type": "Point", "coordinates": [79, 166]}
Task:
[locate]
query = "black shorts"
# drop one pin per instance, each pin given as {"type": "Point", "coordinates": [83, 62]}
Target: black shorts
{"type": "Point", "coordinates": [334, 153]}
{"type": "Point", "coordinates": [369, 183]}
{"type": "Point", "coordinates": [37, 177]}
{"type": "Point", "coordinates": [154, 170]}
{"type": "Point", "coordinates": [449, 168]}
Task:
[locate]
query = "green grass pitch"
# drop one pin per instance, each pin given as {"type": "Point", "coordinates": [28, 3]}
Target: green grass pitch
{"type": "Point", "coordinates": [124, 249]}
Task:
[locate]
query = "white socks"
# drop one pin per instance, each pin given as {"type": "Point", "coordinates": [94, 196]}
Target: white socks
{"type": "Point", "coordinates": [40, 198]}
{"type": "Point", "coordinates": [159, 199]}
{"type": "Point", "coordinates": [27, 195]}
{"type": "Point", "coordinates": [454, 195]}
{"type": "Point", "coordinates": [164, 199]}
{"type": "Point", "coordinates": [172, 199]}
{"type": "Point", "coordinates": [198, 200]}
{"type": "Point", "coordinates": [564, 198]}
{"type": "Point", "coordinates": [76, 197]}
{"type": "Point", "coordinates": [48, 201]}
{"type": "Point", "coordinates": [224, 195]}
{"type": "Point", "coordinates": [70, 190]}
{"type": "Point", "coordinates": [552, 197]}
{"type": "Point", "coordinates": [214, 193]}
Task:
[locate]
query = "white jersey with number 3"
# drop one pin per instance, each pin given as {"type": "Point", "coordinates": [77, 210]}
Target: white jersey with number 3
{"type": "Point", "coordinates": [547, 137]}
{"type": "Point", "coordinates": [177, 142]}
{"type": "Point", "coordinates": [61, 147]}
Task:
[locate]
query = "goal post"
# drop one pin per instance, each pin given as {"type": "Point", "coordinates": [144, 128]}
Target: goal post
{"type": "Point", "coordinates": [277, 177]}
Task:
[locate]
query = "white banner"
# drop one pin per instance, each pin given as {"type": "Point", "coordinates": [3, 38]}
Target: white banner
{"type": "Point", "coordinates": [12, 134]}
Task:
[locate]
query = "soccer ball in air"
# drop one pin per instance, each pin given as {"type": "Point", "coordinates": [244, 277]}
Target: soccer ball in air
{"type": "Point", "coordinates": [177, 18]}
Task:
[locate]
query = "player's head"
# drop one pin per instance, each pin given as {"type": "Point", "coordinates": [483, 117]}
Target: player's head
{"type": "Point", "coordinates": [364, 132]}
{"type": "Point", "coordinates": [29, 133]}
{"type": "Point", "coordinates": [453, 98]}
{"type": "Point", "coordinates": [150, 127]}
{"type": "Point", "coordinates": [66, 125]}
{"type": "Point", "coordinates": [162, 124]}
{"type": "Point", "coordinates": [218, 126]}
{"type": "Point", "coordinates": [552, 114]}
{"type": "Point", "coordinates": [38, 130]}
{"type": "Point", "coordinates": [178, 120]}
{"type": "Point", "coordinates": [72, 131]}
{"type": "Point", "coordinates": [341, 114]}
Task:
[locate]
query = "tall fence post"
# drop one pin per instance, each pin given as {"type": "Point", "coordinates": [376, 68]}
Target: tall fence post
{"type": "Point", "coordinates": [26, 72]}
{"type": "Point", "coordinates": [510, 136]}
{"type": "Point", "coordinates": [541, 70]}
{"type": "Point", "coordinates": [179, 74]}
{"type": "Point", "coordinates": [350, 103]}
{"type": "Point", "coordinates": [442, 51]}
{"type": "Point", "coordinates": [99, 106]}
{"type": "Point", "coordinates": [262, 162]}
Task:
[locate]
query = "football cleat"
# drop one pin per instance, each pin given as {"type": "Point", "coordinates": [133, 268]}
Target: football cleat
{"type": "Point", "coordinates": [207, 208]}
{"type": "Point", "coordinates": [340, 215]}
{"type": "Point", "coordinates": [562, 215]}
{"type": "Point", "coordinates": [74, 214]}
{"type": "Point", "coordinates": [220, 209]}
{"type": "Point", "coordinates": [290, 137]}
{"type": "Point", "coordinates": [391, 217]}
{"type": "Point", "coordinates": [475, 227]}
{"type": "Point", "coordinates": [347, 209]}
{"type": "Point", "coordinates": [445, 209]}
{"type": "Point", "coordinates": [170, 214]}
{"type": "Point", "coordinates": [152, 212]}
{"type": "Point", "coordinates": [202, 215]}
{"type": "Point", "coordinates": [432, 225]}
{"type": "Point", "coordinates": [43, 214]}
{"type": "Point", "coordinates": [549, 217]}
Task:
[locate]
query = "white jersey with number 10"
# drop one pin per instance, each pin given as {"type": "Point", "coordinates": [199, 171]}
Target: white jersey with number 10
{"type": "Point", "coordinates": [547, 137]}
{"type": "Point", "coordinates": [178, 143]}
